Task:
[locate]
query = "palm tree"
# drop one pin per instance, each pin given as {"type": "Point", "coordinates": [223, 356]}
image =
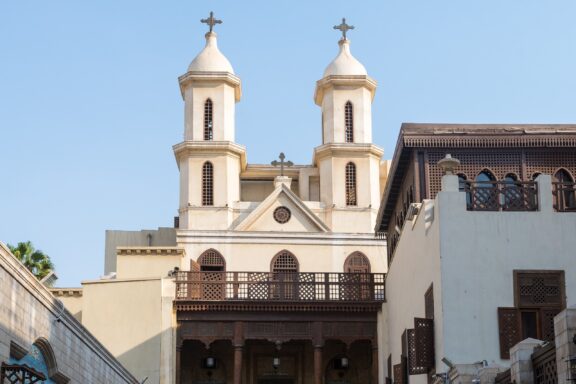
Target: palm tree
{"type": "Point", "coordinates": [34, 260]}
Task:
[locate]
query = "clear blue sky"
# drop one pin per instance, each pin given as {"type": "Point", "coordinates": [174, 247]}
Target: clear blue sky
{"type": "Point", "coordinates": [90, 104]}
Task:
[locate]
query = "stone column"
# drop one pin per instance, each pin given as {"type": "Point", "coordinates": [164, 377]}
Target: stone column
{"type": "Point", "coordinates": [317, 364]}
{"type": "Point", "coordinates": [374, 362]}
{"type": "Point", "coordinates": [545, 198]}
{"type": "Point", "coordinates": [238, 350]}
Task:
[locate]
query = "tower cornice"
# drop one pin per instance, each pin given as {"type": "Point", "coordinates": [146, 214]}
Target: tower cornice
{"type": "Point", "coordinates": [203, 148]}
{"type": "Point", "coordinates": [343, 80]}
{"type": "Point", "coordinates": [203, 77]}
{"type": "Point", "coordinates": [346, 150]}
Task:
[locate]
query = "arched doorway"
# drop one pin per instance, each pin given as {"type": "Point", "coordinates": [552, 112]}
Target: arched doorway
{"type": "Point", "coordinates": [284, 267]}
{"type": "Point", "coordinates": [357, 277]}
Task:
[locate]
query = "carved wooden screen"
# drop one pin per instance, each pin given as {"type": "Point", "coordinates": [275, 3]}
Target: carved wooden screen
{"type": "Point", "coordinates": [509, 329]}
{"type": "Point", "coordinates": [284, 270]}
{"type": "Point", "coordinates": [424, 343]}
{"type": "Point", "coordinates": [544, 365]}
{"type": "Point", "coordinates": [539, 289]}
{"type": "Point", "coordinates": [212, 267]}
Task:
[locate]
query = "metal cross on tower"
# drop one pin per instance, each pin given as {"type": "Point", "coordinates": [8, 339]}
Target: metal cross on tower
{"type": "Point", "coordinates": [282, 163]}
{"type": "Point", "coordinates": [344, 28]}
{"type": "Point", "coordinates": [211, 21]}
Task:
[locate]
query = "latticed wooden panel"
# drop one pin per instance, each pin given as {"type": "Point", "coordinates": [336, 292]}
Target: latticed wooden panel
{"type": "Point", "coordinates": [424, 339]}
{"type": "Point", "coordinates": [349, 122]}
{"type": "Point", "coordinates": [547, 322]}
{"type": "Point", "coordinates": [285, 262]}
{"type": "Point", "coordinates": [357, 262]}
{"type": "Point", "coordinates": [499, 162]}
{"type": "Point", "coordinates": [399, 376]}
{"type": "Point", "coordinates": [19, 374]}
{"type": "Point", "coordinates": [549, 161]}
{"type": "Point", "coordinates": [537, 289]}
{"type": "Point", "coordinates": [213, 285]}
{"type": "Point", "coordinates": [212, 258]}
{"type": "Point", "coordinates": [208, 184]}
{"type": "Point", "coordinates": [414, 368]}
{"type": "Point", "coordinates": [544, 365]}
{"type": "Point", "coordinates": [509, 330]}
{"type": "Point", "coordinates": [208, 120]}
{"type": "Point", "coordinates": [351, 198]}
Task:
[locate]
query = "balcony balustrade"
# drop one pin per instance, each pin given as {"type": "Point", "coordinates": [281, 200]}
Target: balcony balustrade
{"type": "Point", "coordinates": [501, 195]}
{"type": "Point", "coordinates": [279, 287]}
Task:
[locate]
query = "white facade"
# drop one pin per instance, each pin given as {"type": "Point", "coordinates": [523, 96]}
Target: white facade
{"type": "Point", "coordinates": [469, 258]}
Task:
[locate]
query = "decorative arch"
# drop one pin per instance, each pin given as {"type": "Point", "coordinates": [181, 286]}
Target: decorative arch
{"type": "Point", "coordinates": [485, 175]}
{"type": "Point", "coordinates": [357, 262]}
{"type": "Point", "coordinates": [48, 353]}
{"type": "Point", "coordinates": [284, 262]}
{"type": "Point", "coordinates": [211, 260]}
{"type": "Point", "coordinates": [349, 122]}
{"type": "Point", "coordinates": [207, 184]}
{"type": "Point", "coordinates": [208, 120]}
{"type": "Point", "coordinates": [562, 175]}
{"type": "Point", "coordinates": [351, 196]}
{"type": "Point", "coordinates": [511, 177]}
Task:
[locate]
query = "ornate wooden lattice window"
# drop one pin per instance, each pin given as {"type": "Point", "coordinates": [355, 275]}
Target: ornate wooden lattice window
{"type": "Point", "coordinates": [349, 122]}
{"type": "Point", "coordinates": [538, 297]}
{"type": "Point", "coordinates": [357, 262]}
{"type": "Point", "coordinates": [16, 374]}
{"type": "Point", "coordinates": [208, 184]}
{"type": "Point", "coordinates": [284, 262]}
{"type": "Point", "coordinates": [208, 120]}
{"type": "Point", "coordinates": [351, 198]}
{"type": "Point", "coordinates": [211, 260]}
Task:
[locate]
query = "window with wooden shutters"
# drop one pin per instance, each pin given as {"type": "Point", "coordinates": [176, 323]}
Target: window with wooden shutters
{"type": "Point", "coordinates": [538, 296]}
{"type": "Point", "coordinates": [351, 184]}
{"type": "Point", "coordinates": [208, 120]}
{"type": "Point", "coordinates": [424, 344]}
{"type": "Point", "coordinates": [208, 184]}
{"type": "Point", "coordinates": [349, 122]}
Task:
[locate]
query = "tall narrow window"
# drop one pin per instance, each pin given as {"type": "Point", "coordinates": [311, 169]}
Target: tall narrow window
{"type": "Point", "coordinates": [208, 122]}
{"type": "Point", "coordinates": [351, 184]}
{"type": "Point", "coordinates": [207, 184]}
{"type": "Point", "coordinates": [284, 268]}
{"type": "Point", "coordinates": [349, 122]}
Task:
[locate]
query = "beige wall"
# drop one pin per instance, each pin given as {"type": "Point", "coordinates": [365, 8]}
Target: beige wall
{"type": "Point", "coordinates": [335, 99]}
{"type": "Point", "coordinates": [145, 265]}
{"type": "Point", "coordinates": [129, 318]}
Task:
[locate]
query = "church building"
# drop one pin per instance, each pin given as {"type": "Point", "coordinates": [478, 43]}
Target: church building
{"type": "Point", "coordinates": [272, 274]}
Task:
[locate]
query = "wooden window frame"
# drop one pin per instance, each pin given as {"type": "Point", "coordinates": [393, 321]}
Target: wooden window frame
{"type": "Point", "coordinates": [351, 177]}
{"type": "Point", "coordinates": [348, 122]}
{"type": "Point", "coordinates": [207, 184]}
{"type": "Point", "coordinates": [208, 120]}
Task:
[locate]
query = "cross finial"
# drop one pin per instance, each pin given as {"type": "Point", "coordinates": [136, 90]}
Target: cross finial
{"type": "Point", "coordinates": [211, 21]}
{"type": "Point", "coordinates": [282, 163]}
{"type": "Point", "coordinates": [344, 28]}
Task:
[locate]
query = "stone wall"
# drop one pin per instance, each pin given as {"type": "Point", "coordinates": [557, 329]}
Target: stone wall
{"type": "Point", "coordinates": [32, 319]}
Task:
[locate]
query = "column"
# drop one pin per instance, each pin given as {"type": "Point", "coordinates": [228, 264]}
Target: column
{"type": "Point", "coordinates": [238, 350]}
{"type": "Point", "coordinates": [374, 362]}
{"type": "Point", "coordinates": [317, 364]}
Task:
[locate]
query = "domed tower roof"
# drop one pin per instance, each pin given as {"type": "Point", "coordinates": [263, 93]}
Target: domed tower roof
{"type": "Point", "coordinates": [345, 64]}
{"type": "Point", "coordinates": [210, 59]}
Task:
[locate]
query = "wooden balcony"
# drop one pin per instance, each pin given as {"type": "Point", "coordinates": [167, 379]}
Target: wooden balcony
{"type": "Point", "coordinates": [267, 287]}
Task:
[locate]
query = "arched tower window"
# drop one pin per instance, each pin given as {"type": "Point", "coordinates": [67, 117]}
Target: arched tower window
{"type": "Point", "coordinates": [349, 122]}
{"type": "Point", "coordinates": [563, 176]}
{"type": "Point", "coordinates": [211, 260]}
{"type": "Point", "coordinates": [284, 262]}
{"type": "Point", "coordinates": [208, 122]}
{"type": "Point", "coordinates": [351, 199]}
{"type": "Point", "coordinates": [208, 184]}
{"type": "Point", "coordinates": [357, 262]}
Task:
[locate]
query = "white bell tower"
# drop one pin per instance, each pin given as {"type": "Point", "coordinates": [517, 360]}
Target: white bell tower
{"type": "Point", "coordinates": [209, 160]}
{"type": "Point", "coordinates": [349, 163]}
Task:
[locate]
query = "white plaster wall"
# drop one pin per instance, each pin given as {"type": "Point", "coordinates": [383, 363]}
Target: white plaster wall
{"type": "Point", "coordinates": [223, 107]}
{"type": "Point", "coordinates": [470, 257]}
{"type": "Point", "coordinates": [416, 265]}
{"type": "Point", "coordinates": [333, 104]}
{"type": "Point", "coordinates": [254, 252]}
{"type": "Point", "coordinates": [146, 265]}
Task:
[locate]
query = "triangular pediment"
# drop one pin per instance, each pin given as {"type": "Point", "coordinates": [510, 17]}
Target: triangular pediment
{"type": "Point", "coordinates": [301, 218]}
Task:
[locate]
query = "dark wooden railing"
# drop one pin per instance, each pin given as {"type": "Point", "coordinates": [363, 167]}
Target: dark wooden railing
{"type": "Point", "coordinates": [267, 286]}
{"type": "Point", "coordinates": [503, 377]}
{"type": "Point", "coordinates": [544, 364]}
{"type": "Point", "coordinates": [564, 197]}
{"type": "Point", "coordinates": [501, 195]}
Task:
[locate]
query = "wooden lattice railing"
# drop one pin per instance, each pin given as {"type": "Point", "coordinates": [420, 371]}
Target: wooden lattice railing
{"type": "Point", "coordinates": [564, 197]}
{"type": "Point", "coordinates": [501, 195]}
{"type": "Point", "coordinates": [544, 364]}
{"type": "Point", "coordinates": [269, 286]}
